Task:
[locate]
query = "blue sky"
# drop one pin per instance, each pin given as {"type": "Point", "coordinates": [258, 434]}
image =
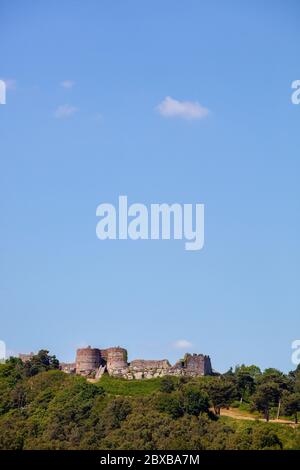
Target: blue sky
{"type": "Point", "coordinates": [81, 127]}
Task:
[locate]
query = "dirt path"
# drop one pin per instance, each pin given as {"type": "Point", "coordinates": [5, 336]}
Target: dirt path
{"type": "Point", "coordinates": [236, 414]}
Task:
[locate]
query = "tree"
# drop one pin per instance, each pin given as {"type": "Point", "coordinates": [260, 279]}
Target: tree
{"type": "Point", "coordinates": [40, 362]}
{"type": "Point", "coordinates": [294, 377]}
{"type": "Point", "coordinates": [229, 373]}
{"type": "Point", "coordinates": [12, 370]}
{"type": "Point", "coordinates": [221, 392]}
{"type": "Point", "coordinates": [195, 401]}
{"type": "Point", "coordinates": [265, 439]}
{"type": "Point", "coordinates": [275, 376]}
{"type": "Point", "coordinates": [171, 403]}
{"type": "Point", "coordinates": [266, 396]}
{"type": "Point", "coordinates": [291, 405]}
{"type": "Point", "coordinates": [245, 384]}
{"type": "Point", "coordinates": [167, 384]}
{"type": "Point", "coordinates": [253, 370]}
{"type": "Point", "coordinates": [116, 411]}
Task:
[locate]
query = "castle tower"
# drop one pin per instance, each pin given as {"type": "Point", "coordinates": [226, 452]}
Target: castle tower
{"type": "Point", "coordinates": [88, 360]}
{"type": "Point", "coordinates": [197, 364]}
{"type": "Point", "coordinates": [116, 358]}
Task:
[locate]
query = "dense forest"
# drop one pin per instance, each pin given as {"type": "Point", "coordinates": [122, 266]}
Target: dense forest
{"type": "Point", "coordinates": [44, 408]}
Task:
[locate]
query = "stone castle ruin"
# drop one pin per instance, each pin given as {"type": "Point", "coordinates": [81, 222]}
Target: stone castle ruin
{"type": "Point", "coordinates": [93, 362]}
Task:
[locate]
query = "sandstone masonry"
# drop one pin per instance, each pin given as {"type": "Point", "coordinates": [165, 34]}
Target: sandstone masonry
{"type": "Point", "coordinates": [94, 362]}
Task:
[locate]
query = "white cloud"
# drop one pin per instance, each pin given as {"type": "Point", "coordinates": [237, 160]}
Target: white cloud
{"type": "Point", "coordinates": [65, 111]}
{"type": "Point", "coordinates": [182, 344]}
{"type": "Point", "coordinates": [170, 107]}
{"type": "Point", "coordinates": [67, 84]}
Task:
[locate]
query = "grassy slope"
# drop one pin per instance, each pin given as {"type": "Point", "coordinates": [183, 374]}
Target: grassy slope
{"type": "Point", "coordinates": [289, 435]}
{"type": "Point", "coordinates": [116, 386]}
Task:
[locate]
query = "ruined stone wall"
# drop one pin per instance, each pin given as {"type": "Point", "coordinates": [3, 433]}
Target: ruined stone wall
{"type": "Point", "coordinates": [192, 365]}
{"type": "Point", "coordinates": [142, 369]}
{"type": "Point", "coordinates": [26, 357]}
{"type": "Point", "coordinates": [93, 362]}
{"type": "Point", "coordinates": [208, 370]}
{"type": "Point", "coordinates": [140, 364]}
{"type": "Point", "coordinates": [68, 367]}
{"type": "Point", "coordinates": [104, 354]}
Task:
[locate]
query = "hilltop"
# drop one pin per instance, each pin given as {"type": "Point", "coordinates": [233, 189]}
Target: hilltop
{"type": "Point", "coordinates": [42, 407]}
